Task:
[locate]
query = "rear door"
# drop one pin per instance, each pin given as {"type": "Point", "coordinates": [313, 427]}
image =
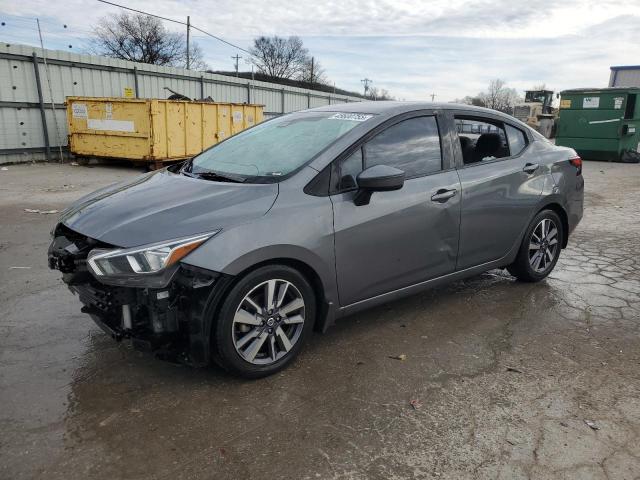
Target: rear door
{"type": "Point", "coordinates": [401, 237]}
{"type": "Point", "coordinates": [501, 183]}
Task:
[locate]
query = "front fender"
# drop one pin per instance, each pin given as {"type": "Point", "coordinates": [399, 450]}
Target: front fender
{"type": "Point", "coordinates": [299, 231]}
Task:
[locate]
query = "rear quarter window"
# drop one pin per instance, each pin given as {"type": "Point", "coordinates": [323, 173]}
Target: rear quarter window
{"type": "Point", "coordinates": [516, 138]}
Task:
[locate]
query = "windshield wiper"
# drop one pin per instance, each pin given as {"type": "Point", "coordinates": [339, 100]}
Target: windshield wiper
{"type": "Point", "coordinates": [188, 174]}
{"type": "Point", "coordinates": [222, 177]}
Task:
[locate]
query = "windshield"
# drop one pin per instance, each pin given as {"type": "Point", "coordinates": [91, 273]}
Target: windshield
{"type": "Point", "coordinates": [276, 147]}
{"type": "Point", "coordinates": [538, 96]}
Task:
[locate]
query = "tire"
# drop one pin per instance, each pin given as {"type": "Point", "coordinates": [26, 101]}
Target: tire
{"type": "Point", "coordinates": [529, 266]}
{"type": "Point", "coordinates": [249, 341]}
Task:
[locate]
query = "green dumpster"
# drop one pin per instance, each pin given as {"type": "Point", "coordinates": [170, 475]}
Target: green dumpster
{"type": "Point", "coordinates": [601, 124]}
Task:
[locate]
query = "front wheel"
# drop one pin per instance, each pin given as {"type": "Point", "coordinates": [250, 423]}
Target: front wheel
{"type": "Point", "coordinates": [264, 321]}
{"type": "Point", "coordinates": [540, 248]}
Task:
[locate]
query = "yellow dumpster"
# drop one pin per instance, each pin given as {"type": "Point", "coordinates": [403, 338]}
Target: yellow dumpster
{"type": "Point", "coordinates": [152, 130]}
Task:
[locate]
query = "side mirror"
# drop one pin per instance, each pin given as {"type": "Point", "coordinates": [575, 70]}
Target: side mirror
{"type": "Point", "coordinates": [379, 178]}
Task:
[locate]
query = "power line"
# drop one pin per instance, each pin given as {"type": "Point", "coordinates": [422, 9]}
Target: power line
{"type": "Point", "coordinates": [23, 18]}
{"type": "Point", "coordinates": [31, 22]}
{"type": "Point", "coordinates": [144, 13]}
{"type": "Point", "coordinates": [25, 34]}
{"type": "Point", "coordinates": [177, 21]}
{"type": "Point", "coordinates": [218, 38]}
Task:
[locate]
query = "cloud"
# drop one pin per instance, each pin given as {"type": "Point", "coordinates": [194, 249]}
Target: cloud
{"type": "Point", "coordinates": [413, 67]}
{"type": "Point", "coordinates": [468, 18]}
{"type": "Point", "coordinates": [411, 48]}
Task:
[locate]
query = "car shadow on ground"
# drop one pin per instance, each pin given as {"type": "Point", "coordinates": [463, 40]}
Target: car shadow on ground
{"type": "Point", "coordinates": [432, 315]}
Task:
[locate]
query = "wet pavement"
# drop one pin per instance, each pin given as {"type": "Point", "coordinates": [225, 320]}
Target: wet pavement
{"type": "Point", "coordinates": [503, 375]}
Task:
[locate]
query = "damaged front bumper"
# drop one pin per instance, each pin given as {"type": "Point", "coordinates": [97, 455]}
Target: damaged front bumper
{"type": "Point", "coordinates": [173, 321]}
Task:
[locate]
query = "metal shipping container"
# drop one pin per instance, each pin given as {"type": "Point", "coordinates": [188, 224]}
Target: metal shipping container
{"type": "Point", "coordinates": [152, 130]}
{"type": "Point", "coordinates": [601, 124]}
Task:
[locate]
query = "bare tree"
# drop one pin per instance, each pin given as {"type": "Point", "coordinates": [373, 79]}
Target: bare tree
{"type": "Point", "coordinates": [312, 72]}
{"type": "Point", "coordinates": [142, 38]}
{"type": "Point", "coordinates": [279, 57]}
{"type": "Point", "coordinates": [493, 97]}
{"type": "Point", "coordinates": [378, 94]}
{"type": "Point", "coordinates": [469, 100]}
{"type": "Point", "coordinates": [499, 97]}
{"type": "Point", "coordinates": [196, 58]}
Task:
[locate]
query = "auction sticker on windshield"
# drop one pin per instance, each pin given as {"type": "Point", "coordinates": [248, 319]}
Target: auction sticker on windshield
{"type": "Point", "coordinates": [356, 117]}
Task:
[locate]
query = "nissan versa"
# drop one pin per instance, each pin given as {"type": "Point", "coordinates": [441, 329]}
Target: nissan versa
{"type": "Point", "coordinates": [237, 255]}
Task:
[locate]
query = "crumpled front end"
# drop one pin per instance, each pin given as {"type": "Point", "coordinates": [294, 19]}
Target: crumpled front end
{"type": "Point", "coordinates": [171, 318]}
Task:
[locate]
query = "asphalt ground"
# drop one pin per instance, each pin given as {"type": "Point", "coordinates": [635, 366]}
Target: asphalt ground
{"type": "Point", "coordinates": [501, 379]}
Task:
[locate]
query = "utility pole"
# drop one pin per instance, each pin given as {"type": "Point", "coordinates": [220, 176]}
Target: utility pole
{"type": "Point", "coordinates": [188, 35]}
{"type": "Point", "coordinates": [366, 82]}
{"type": "Point", "coordinates": [433, 96]}
{"type": "Point", "coordinates": [311, 74]}
{"type": "Point", "coordinates": [237, 58]}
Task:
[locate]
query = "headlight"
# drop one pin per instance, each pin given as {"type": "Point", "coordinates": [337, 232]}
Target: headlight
{"type": "Point", "coordinates": [125, 266]}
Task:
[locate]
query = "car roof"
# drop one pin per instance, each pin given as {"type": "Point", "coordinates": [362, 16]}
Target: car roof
{"type": "Point", "coordinates": [387, 107]}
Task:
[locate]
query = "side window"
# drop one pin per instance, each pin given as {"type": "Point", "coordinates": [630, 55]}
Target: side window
{"type": "Point", "coordinates": [481, 139]}
{"type": "Point", "coordinates": [517, 139]}
{"type": "Point", "coordinates": [412, 146]}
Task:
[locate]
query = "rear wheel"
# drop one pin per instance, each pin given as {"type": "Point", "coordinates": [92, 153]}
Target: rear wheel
{"type": "Point", "coordinates": [540, 248]}
{"type": "Point", "coordinates": [264, 321]}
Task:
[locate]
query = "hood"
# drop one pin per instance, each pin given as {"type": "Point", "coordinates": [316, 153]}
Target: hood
{"type": "Point", "coordinates": [163, 205]}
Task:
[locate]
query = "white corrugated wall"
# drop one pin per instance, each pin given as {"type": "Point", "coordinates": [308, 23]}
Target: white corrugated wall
{"type": "Point", "coordinates": [69, 74]}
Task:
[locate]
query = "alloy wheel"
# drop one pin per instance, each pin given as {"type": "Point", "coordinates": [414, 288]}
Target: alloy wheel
{"type": "Point", "coordinates": [268, 322]}
{"type": "Point", "coordinates": [543, 245]}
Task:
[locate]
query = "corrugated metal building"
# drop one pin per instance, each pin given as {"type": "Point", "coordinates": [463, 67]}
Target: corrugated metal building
{"type": "Point", "coordinates": [625, 76]}
{"type": "Point", "coordinates": [32, 94]}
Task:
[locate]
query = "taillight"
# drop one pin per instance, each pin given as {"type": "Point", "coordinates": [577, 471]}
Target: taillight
{"type": "Point", "coordinates": [576, 162]}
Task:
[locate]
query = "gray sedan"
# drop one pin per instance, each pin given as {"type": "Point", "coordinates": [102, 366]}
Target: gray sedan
{"type": "Point", "coordinates": [237, 255]}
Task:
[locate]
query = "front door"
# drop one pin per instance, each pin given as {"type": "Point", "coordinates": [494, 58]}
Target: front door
{"type": "Point", "coordinates": [401, 237]}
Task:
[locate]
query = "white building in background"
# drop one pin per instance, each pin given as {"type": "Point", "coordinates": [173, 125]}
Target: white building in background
{"type": "Point", "coordinates": [625, 76]}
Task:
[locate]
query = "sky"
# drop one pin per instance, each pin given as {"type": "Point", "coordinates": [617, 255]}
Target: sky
{"type": "Point", "coordinates": [413, 49]}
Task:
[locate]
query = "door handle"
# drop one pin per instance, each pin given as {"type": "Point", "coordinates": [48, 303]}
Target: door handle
{"type": "Point", "coordinates": [530, 167]}
{"type": "Point", "coordinates": [443, 195]}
